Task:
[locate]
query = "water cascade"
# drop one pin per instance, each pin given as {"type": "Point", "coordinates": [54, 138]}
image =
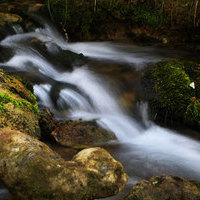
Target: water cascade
{"type": "Point", "coordinates": [144, 148]}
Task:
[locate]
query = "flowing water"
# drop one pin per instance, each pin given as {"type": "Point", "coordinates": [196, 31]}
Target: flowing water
{"type": "Point", "coordinates": [105, 86]}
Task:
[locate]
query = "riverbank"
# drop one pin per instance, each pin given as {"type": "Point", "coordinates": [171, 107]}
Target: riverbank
{"type": "Point", "coordinates": [169, 23]}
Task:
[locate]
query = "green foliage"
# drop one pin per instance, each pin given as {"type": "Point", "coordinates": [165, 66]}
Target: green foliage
{"type": "Point", "coordinates": [58, 11]}
{"type": "Point", "coordinates": [84, 18]}
{"type": "Point", "coordinates": [144, 15]}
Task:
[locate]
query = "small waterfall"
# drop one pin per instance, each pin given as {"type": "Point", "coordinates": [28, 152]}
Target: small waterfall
{"type": "Point", "coordinates": [82, 93]}
{"type": "Point", "coordinates": [102, 105]}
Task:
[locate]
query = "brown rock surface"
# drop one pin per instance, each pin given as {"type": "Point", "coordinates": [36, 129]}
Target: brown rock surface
{"type": "Point", "coordinates": [31, 170]}
{"type": "Point", "coordinates": [165, 187]}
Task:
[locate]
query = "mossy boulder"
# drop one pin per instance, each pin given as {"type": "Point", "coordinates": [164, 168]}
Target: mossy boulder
{"type": "Point", "coordinates": [176, 91]}
{"type": "Point", "coordinates": [80, 133]}
{"type": "Point", "coordinates": [18, 106]}
{"type": "Point", "coordinates": [31, 170]}
{"type": "Point", "coordinates": [165, 187]}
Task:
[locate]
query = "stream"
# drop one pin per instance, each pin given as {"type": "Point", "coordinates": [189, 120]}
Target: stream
{"type": "Point", "coordinates": [105, 86]}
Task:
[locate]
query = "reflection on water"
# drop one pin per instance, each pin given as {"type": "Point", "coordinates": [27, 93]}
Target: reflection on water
{"type": "Point", "coordinates": [105, 89]}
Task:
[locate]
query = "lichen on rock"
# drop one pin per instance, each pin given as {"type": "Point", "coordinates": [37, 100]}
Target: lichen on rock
{"type": "Point", "coordinates": [31, 170]}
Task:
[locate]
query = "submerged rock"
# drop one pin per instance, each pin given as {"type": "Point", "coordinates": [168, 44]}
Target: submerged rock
{"type": "Point", "coordinates": [18, 106]}
{"type": "Point", "coordinates": [176, 91]}
{"type": "Point", "coordinates": [165, 187]}
{"type": "Point", "coordinates": [31, 170]}
{"type": "Point", "coordinates": [80, 133]}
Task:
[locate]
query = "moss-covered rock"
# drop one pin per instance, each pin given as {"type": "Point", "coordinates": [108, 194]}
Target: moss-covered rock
{"type": "Point", "coordinates": [31, 170]}
{"type": "Point", "coordinates": [166, 188]}
{"type": "Point", "coordinates": [192, 114]}
{"type": "Point", "coordinates": [80, 133]}
{"type": "Point", "coordinates": [176, 84]}
{"type": "Point", "coordinates": [18, 106]}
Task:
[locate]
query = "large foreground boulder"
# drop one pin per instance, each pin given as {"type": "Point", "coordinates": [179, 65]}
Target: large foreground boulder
{"type": "Point", "coordinates": [31, 170]}
{"type": "Point", "coordinates": [80, 133]}
{"type": "Point", "coordinates": [165, 187]}
{"type": "Point", "coordinates": [18, 106]}
{"type": "Point", "coordinates": [176, 92]}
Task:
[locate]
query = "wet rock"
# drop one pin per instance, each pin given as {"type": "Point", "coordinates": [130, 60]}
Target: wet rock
{"type": "Point", "coordinates": [31, 170]}
{"type": "Point", "coordinates": [176, 92]}
{"type": "Point", "coordinates": [9, 18]}
{"type": "Point", "coordinates": [165, 187]}
{"type": "Point", "coordinates": [79, 133]}
{"type": "Point", "coordinates": [47, 124]}
{"type": "Point", "coordinates": [18, 106]}
{"type": "Point", "coordinates": [127, 99]}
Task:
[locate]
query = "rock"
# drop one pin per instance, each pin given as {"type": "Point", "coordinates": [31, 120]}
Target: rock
{"type": "Point", "coordinates": [31, 170]}
{"type": "Point", "coordinates": [47, 124]}
{"type": "Point", "coordinates": [9, 18]}
{"type": "Point", "coordinates": [79, 133]}
{"type": "Point", "coordinates": [127, 99]}
{"type": "Point", "coordinates": [104, 173]}
{"type": "Point", "coordinates": [18, 106]}
{"type": "Point", "coordinates": [173, 95]}
{"type": "Point", "coordinates": [165, 187]}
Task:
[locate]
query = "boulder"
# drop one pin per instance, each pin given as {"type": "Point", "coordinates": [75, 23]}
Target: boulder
{"type": "Point", "coordinates": [165, 187]}
{"type": "Point", "coordinates": [18, 106]}
{"type": "Point", "coordinates": [80, 133]}
{"type": "Point", "coordinates": [31, 170]}
{"type": "Point", "coordinates": [176, 91]}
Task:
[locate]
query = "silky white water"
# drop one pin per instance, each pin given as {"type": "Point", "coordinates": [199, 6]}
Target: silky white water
{"type": "Point", "coordinates": [146, 148]}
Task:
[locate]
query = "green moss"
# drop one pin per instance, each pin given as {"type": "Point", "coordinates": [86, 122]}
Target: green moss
{"type": "Point", "coordinates": [2, 108]}
{"type": "Point", "coordinates": [172, 87]}
{"type": "Point", "coordinates": [18, 103]}
{"type": "Point", "coordinates": [192, 114]}
{"type": "Point", "coordinates": [173, 92]}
